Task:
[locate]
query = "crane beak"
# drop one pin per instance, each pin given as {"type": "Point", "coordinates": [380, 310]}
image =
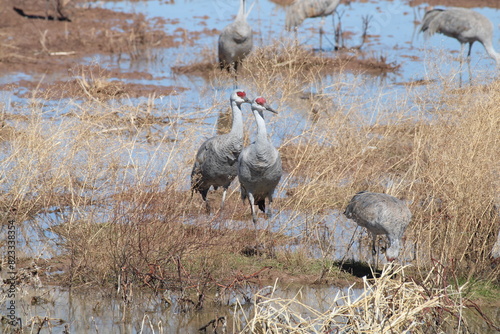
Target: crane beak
{"type": "Point", "coordinates": [247, 100]}
{"type": "Point", "coordinates": [269, 108]}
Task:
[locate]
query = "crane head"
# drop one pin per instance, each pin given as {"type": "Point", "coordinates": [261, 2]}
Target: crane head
{"type": "Point", "coordinates": [260, 101]}
{"type": "Point", "coordinates": [239, 96]}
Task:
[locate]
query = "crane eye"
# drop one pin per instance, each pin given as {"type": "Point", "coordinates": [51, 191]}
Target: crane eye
{"type": "Point", "coordinates": [241, 94]}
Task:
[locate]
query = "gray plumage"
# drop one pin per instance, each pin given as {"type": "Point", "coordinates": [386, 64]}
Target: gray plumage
{"type": "Point", "coordinates": [495, 252]}
{"type": "Point", "coordinates": [235, 40]}
{"type": "Point", "coordinates": [380, 214]}
{"type": "Point", "coordinates": [300, 10]}
{"type": "Point", "coordinates": [465, 25]}
{"type": "Point", "coordinates": [216, 161]}
{"type": "Point", "coordinates": [259, 164]}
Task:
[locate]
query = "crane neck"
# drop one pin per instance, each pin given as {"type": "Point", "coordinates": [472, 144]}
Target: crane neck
{"type": "Point", "coordinates": [241, 12]}
{"type": "Point", "coordinates": [237, 127]}
{"type": "Point", "coordinates": [261, 126]}
{"type": "Point", "coordinates": [492, 52]}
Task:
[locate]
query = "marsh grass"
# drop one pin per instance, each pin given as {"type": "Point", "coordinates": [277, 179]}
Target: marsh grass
{"type": "Point", "coordinates": [390, 303]}
{"type": "Point", "coordinates": [109, 179]}
{"type": "Point", "coordinates": [285, 58]}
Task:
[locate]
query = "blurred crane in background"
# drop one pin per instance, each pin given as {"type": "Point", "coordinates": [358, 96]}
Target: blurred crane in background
{"type": "Point", "coordinates": [465, 25]}
{"type": "Point", "coordinates": [236, 40]}
{"type": "Point", "coordinates": [300, 10]}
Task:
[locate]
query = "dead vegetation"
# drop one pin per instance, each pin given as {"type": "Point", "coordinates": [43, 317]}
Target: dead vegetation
{"type": "Point", "coordinates": [287, 56]}
{"type": "Point", "coordinates": [391, 303]}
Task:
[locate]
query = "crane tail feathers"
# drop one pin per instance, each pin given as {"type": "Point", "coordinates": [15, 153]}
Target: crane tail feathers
{"type": "Point", "coordinates": [262, 205]}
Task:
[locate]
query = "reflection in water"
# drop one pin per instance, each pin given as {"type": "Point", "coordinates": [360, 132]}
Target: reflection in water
{"type": "Point", "coordinates": [57, 310]}
{"type": "Point", "coordinates": [89, 311]}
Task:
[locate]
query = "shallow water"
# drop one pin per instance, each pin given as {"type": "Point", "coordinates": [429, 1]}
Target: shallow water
{"type": "Point", "coordinates": [393, 35]}
{"type": "Point", "coordinates": [89, 311]}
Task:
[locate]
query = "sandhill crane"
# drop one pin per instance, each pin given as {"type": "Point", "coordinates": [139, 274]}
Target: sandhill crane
{"type": "Point", "coordinates": [235, 40]}
{"type": "Point", "coordinates": [495, 252]}
{"type": "Point", "coordinates": [380, 214]}
{"type": "Point", "coordinates": [465, 25]}
{"type": "Point", "coordinates": [300, 10]}
{"type": "Point", "coordinates": [216, 161]}
{"type": "Point", "coordinates": [259, 164]}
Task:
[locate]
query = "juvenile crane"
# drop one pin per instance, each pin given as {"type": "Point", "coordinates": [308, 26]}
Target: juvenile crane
{"type": "Point", "coordinates": [380, 214]}
{"type": "Point", "coordinates": [495, 252]}
{"type": "Point", "coordinates": [235, 40]}
{"type": "Point", "coordinates": [300, 10]}
{"type": "Point", "coordinates": [259, 165]}
{"type": "Point", "coordinates": [465, 25]}
{"type": "Point", "coordinates": [216, 162]}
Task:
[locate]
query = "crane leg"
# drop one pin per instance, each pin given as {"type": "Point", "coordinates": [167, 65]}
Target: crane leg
{"type": "Point", "coordinates": [204, 194]}
{"type": "Point", "coordinates": [321, 34]}
{"type": "Point", "coordinates": [207, 206]}
{"type": "Point", "coordinates": [223, 199]}
{"type": "Point", "coordinates": [374, 252]}
{"type": "Point", "coordinates": [251, 200]}
{"type": "Point", "coordinates": [269, 210]}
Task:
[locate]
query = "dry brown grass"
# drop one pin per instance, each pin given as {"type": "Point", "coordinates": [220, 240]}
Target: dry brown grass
{"type": "Point", "coordinates": [286, 59]}
{"type": "Point", "coordinates": [389, 304]}
{"type": "Point", "coordinates": [112, 180]}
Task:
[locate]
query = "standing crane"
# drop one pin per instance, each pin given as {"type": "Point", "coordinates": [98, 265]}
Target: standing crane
{"type": "Point", "coordinates": [235, 40]}
{"type": "Point", "coordinates": [216, 161]}
{"type": "Point", "coordinates": [380, 214]}
{"type": "Point", "coordinates": [259, 165]}
{"type": "Point", "coordinates": [300, 10]}
{"type": "Point", "coordinates": [465, 25]}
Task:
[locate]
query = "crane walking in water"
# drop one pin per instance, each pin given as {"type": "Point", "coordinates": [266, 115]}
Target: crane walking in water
{"type": "Point", "coordinates": [216, 162]}
{"type": "Point", "coordinates": [235, 40]}
{"type": "Point", "coordinates": [380, 214]}
{"type": "Point", "coordinates": [465, 25]}
{"type": "Point", "coordinates": [259, 165]}
{"type": "Point", "coordinates": [300, 10]}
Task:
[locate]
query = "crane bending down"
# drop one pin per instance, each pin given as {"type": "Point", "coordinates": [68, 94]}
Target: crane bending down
{"type": "Point", "coordinates": [235, 40]}
{"type": "Point", "coordinates": [495, 252]}
{"type": "Point", "coordinates": [380, 214]}
{"type": "Point", "coordinates": [216, 161]}
{"type": "Point", "coordinates": [259, 165]}
{"type": "Point", "coordinates": [300, 10]}
{"type": "Point", "coordinates": [465, 25]}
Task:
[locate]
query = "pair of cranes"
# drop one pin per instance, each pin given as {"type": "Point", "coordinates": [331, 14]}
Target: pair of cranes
{"type": "Point", "coordinates": [465, 25]}
{"type": "Point", "coordinates": [221, 158]}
